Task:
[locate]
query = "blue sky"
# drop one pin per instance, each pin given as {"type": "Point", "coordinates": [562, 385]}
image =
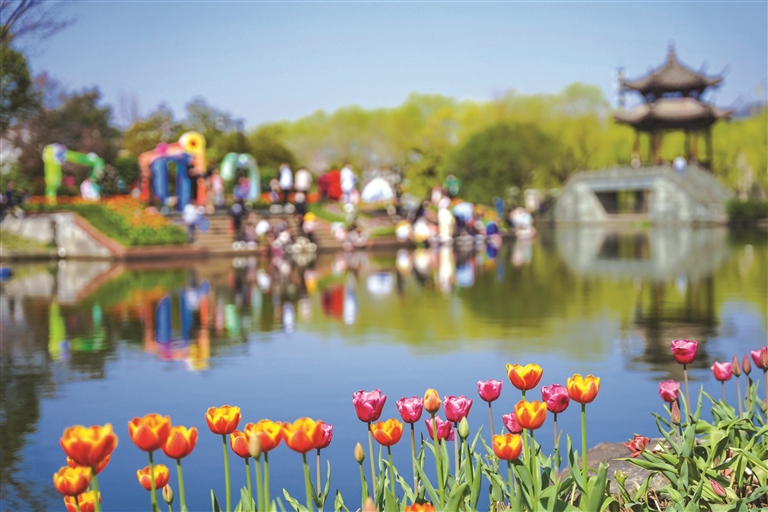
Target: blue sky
{"type": "Point", "coordinates": [267, 61]}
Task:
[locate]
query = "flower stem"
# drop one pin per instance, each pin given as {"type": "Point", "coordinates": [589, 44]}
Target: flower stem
{"type": "Point", "coordinates": [511, 482]}
{"type": "Point", "coordinates": [490, 413]}
{"type": "Point", "coordinates": [170, 508]}
{"type": "Point", "coordinates": [77, 504]}
{"type": "Point", "coordinates": [308, 482]}
{"type": "Point", "coordinates": [95, 482]}
{"type": "Point", "coordinates": [556, 445]}
{"type": "Point", "coordinates": [438, 455]}
{"type": "Point", "coordinates": [687, 393]}
{"type": "Point", "coordinates": [226, 470]}
{"type": "Point", "coordinates": [738, 395]}
{"type": "Point", "coordinates": [584, 469]}
{"type": "Point", "coordinates": [723, 386]}
{"type": "Point", "coordinates": [468, 462]}
{"type": "Point", "coordinates": [181, 485]}
{"type": "Point", "coordinates": [413, 460]}
{"type": "Point", "coordinates": [373, 466]}
{"type": "Point", "coordinates": [318, 470]}
{"type": "Point", "coordinates": [456, 440]}
{"type": "Point", "coordinates": [155, 507]}
{"type": "Point", "coordinates": [267, 503]}
{"type": "Point", "coordinates": [391, 471]}
{"type": "Point", "coordinates": [248, 476]}
{"type": "Point", "coordinates": [259, 486]}
{"type": "Point", "coordinates": [363, 487]}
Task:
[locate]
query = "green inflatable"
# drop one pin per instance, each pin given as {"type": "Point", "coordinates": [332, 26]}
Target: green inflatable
{"type": "Point", "coordinates": [56, 154]}
{"type": "Point", "coordinates": [232, 162]}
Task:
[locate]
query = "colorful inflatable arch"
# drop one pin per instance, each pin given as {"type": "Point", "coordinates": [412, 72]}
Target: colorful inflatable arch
{"type": "Point", "coordinates": [232, 162]}
{"type": "Point", "coordinates": [190, 149]}
{"type": "Point", "coordinates": [56, 154]}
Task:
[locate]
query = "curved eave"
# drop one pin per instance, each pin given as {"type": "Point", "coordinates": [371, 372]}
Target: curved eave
{"type": "Point", "coordinates": [668, 114]}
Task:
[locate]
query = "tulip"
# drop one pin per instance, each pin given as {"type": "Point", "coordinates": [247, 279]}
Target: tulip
{"type": "Point", "coordinates": [161, 477]}
{"type": "Point", "coordinates": [86, 502]}
{"type": "Point", "coordinates": [444, 429]}
{"type": "Point", "coordinates": [432, 401]}
{"type": "Point", "coordinates": [489, 391]}
{"type": "Point", "coordinates": [96, 470]}
{"type": "Point", "coordinates": [722, 372]}
{"type": "Point", "coordinates": [180, 443]}
{"type": "Point", "coordinates": [457, 408]}
{"type": "Point", "coordinates": [719, 490]}
{"type": "Point", "coordinates": [583, 390]}
{"type": "Point", "coordinates": [531, 415]}
{"type": "Point", "coordinates": [359, 453]}
{"type": "Point", "coordinates": [89, 447]}
{"type": "Point", "coordinates": [669, 390]}
{"type": "Point", "coordinates": [746, 366]}
{"type": "Point", "coordinates": [674, 415]}
{"type": "Point", "coordinates": [420, 507]}
{"type": "Point", "coordinates": [72, 481]}
{"type": "Point", "coordinates": [238, 441]}
{"type": "Point", "coordinates": [524, 377]}
{"type": "Point", "coordinates": [760, 357]}
{"type": "Point", "coordinates": [223, 420]}
{"type": "Point", "coordinates": [410, 409]}
{"type": "Point", "coordinates": [510, 421]}
{"type": "Point", "coordinates": [557, 400]}
{"type": "Point", "coordinates": [736, 368]}
{"type": "Point", "coordinates": [637, 445]}
{"type": "Point", "coordinates": [327, 438]}
{"type": "Point", "coordinates": [368, 404]}
{"type": "Point", "coordinates": [463, 429]}
{"type": "Point", "coordinates": [507, 446]}
{"type": "Point", "coordinates": [168, 495]}
{"type": "Point", "coordinates": [301, 436]}
{"type": "Point", "coordinates": [388, 433]}
{"type": "Point", "coordinates": [684, 351]}
{"type": "Point", "coordinates": [150, 432]}
{"type": "Point", "coordinates": [270, 434]}
{"type": "Point", "coordinates": [254, 450]}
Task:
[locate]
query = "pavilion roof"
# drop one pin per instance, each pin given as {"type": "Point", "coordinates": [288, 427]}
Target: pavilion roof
{"type": "Point", "coordinates": [672, 113]}
{"type": "Point", "coordinates": [671, 77]}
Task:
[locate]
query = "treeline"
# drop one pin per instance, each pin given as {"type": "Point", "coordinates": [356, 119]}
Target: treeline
{"type": "Point", "coordinates": [514, 141]}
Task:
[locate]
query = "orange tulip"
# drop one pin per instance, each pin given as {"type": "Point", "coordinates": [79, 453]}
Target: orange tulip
{"type": "Point", "coordinates": [531, 415]}
{"type": "Point", "coordinates": [96, 470]}
{"type": "Point", "coordinates": [145, 477]}
{"type": "Point", "coordinates": [223, 420]}
{"type": "Point", "coordinates": [524, 377]}
{"type": "Point", "coordinates": [85, 500]}
{"type": "Point", "coordinates": [303, 435]}
{"type": "Point", "coordinates": [583, 390]}
{"type": "Point", "coordinates": [72, 481]}
{"type": "Point", "coordinates": [420, 507]}
{"type": "Point", "coordinates": [180, 443]}
{"type": "Point", "coordinates": [239, 443]}
{"type": "Point", "coordinates": [270, 433]}
{"type": "Point", "coordinates": [432, 401]}
{"type": "Point", "coordinates": [150, 432]}
{"type": "Point", "coordinates": [387, 433]}
{"type": "Point", "coordinates": [507, 446]}
{"type": "Point", "coordinates": [88, 446]}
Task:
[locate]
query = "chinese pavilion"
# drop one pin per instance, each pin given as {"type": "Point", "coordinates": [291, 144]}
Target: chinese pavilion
{"type": "Point", "coordinates": [673, 101]}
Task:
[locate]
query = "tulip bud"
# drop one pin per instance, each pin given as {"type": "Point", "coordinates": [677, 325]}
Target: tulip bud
{"type": "Point", "coordinates": [432, 401]}
{"type": "Point", "coordinates": [717, 488]}
{"type": "Point", "coordinates": [359, 453]}
{"type": "Point", "coordinates": [254, 446]}
{"type": "Point", "coordinates": [369, 505]}
{"type": "Point", "coordinates": [735, 366]}
{"type": "Point", "coordinates": [764, 359]}
{"type": "Point", "coordinates": [675, 415]}
{"type": "Point", "coordinates": [620, 477]}
{"type": "Point", "coordinates": [168, 494]}
{"type": "Point", "coordinates": [765, 405]}
{"type": "Point", "coordinates": [746, 365]}
{"type": "Point", "coordinates": [464, 428]}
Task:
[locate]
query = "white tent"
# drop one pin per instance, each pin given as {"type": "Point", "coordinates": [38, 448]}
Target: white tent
{"type": "Point", "coordinates": [378, 189]}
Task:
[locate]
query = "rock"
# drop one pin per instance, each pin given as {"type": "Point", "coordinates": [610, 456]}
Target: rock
{"type": "Point", "coordinates": [609, 453]}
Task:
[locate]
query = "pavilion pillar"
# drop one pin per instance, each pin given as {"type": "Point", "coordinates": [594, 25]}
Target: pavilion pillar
{"type": "Point", "coordinates": [657, 148]}
{"type": "Point", "coordinates": [687, 146]}
{"type": "Point", "coordinates": [710, 151]}
{"type": "Point", "coordinates": [695, 150]}
{"type": "Point", "coordinates": [636, 145]}
{"type": "Point", "coordinates": [650, 147]}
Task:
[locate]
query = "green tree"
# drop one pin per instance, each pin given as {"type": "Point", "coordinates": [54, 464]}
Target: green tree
{"type": "Point", "coordinates": [18, 97]}
{"type": "Point", "coordinates": [144, 134]}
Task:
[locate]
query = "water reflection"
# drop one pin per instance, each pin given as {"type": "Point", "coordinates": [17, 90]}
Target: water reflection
{"type": "Point", "coordinates": [570, 295]}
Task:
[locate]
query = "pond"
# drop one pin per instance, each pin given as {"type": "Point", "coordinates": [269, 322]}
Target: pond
{"type": "Point", "coordinates": [94, 343]}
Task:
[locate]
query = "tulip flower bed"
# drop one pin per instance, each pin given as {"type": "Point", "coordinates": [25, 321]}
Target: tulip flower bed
{"type": "Point", "coordinates": [718, 465]}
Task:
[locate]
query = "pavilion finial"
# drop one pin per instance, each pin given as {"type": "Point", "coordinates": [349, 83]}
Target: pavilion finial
{"type": "Point", "coordinates": [671, 50]}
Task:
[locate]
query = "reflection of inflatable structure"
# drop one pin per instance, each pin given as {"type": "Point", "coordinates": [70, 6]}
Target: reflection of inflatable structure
{"type": "Point", "coordinates": [56, 154]}
{"type": "Point", "coordinates": [190, 149]}
{"type": "Point", "coordinates": [232, 162]}
{"type": "Point", "coordinates": [60, 347]}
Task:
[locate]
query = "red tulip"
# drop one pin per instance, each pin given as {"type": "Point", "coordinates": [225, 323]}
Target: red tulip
{"type": "Point", "coordinates": [180, 443]}
{"type": "Point", "coordinates": [444, 429]}
{"type": "Point", "coordinates": [531, 415]}
{"type": "Point", "coordinates": [722, 371]}
{"type": "Point", "coordinates": [669, 390]}
{"type": "Point", "coordinates": [327, 436]}
{"type": "Point", "coordinates": [684, 351]}
{"type": "Point", "coordinates": [524, 377]}
{"type": "Point", "coordinates": [239, 442]}
{"type": "Point", "coordinates": [161, 476]}
{"type": "Point", "coordinates": [556, 397]}
{"type": "Point", "coordinates": [410, 409]}
{"type": "Point", "coordinates": [637, 445]}
{"type": "Point", "coordinates": [760, 357]}
{"type": "Point", "coordinates": [510, 421]}
{"type": "Point", "coordinates": [456, 407]}
{"type": "Point", "coordinates": [507, 447]}
{"type": "Point", "coordinates": [489, 390]}
{"type": "Point", "coordinates": [150, 432]}
{"type": "Point", "coordinates": [368, 404]}
{"type": "Point", "coordinates": [387, 433]}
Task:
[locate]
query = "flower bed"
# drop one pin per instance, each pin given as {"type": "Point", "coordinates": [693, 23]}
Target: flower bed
{"type": "Point", "coordinates": [717, 466]}
{"type": "Point", "coordinates": [124, 219]}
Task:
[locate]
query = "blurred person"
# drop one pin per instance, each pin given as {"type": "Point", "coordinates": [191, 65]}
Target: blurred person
{"type": "Point", "coordinates": [303, 180]}
{"type": "Point", "coordinates": [217, 187]}
{"type": "Point", "coordinates": [8, 200]}
{"type": "Point", "coordinates": [274, 191]}
{"type": "Point", "coordinates": [301, 204]}
{"type": "Point", "coordinates": [286, 181]}
{"type": "Point", "coordinates": [446, 221]}
{"type": "Point", "coordinates": [191, 216]}
{"type": "Point", "coordinates": [236, 213]}
{"type": "Point", "coordinates": [241, 190]}
{"type": "Point", "coordinates": [348, 180]}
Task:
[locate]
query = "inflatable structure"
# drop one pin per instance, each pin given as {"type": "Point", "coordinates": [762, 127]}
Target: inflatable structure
{"type": "Point", "coordinates": [188, 152]}
{"type": "Point", "coordinates": [232, 162]}
{"type": "Point", "coordinates": [56, 154]}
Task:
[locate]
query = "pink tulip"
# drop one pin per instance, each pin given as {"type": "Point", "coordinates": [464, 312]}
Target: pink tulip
{"type": "Point", "coordinates": [669, 390]}
{"type": "Point", "coordinates": [556, 397]}
{"type": "Point", "coordinates": [722, 371]}
{"type": "Point", "coordinates": [456, 407]}
{"type": "Point", "coordinates": [510, 421]}
{"type": "Point", "coordinates": [760, 357]}
{"type": "Point", "coordinates": [684, 351]}
{"type": "Point", "coordinates": [327, 436]}
{"type": "Point", "coordinates": [444, 429]}
{"type": "Point", "coordinates": [368, 404]}
{"type": "Point", "coordinates": [489, 390]}
{"type": "Point", "coordinates": [410, 409]}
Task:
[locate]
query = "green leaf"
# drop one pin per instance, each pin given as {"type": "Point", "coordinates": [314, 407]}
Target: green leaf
{"type": "Point", "coordinates": [214, 502]}
{"type": "Point", "coordinates": [338, 503]}
{"type": "Point", "coordinates": [455, 497]}
{"type": "Point", "coordinates": [597, 491]}
{"type": "Point", "coordinates": [427, 485]}
{"type": "Point", "coordinates": [294, 503]}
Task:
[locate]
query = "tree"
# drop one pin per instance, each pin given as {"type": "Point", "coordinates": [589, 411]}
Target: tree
{"type": "Point", "coordinates": [28, 18]}
{"type": "Point", "coordinates": [268, 147]}
{"type": "Point", "coordinates": [144, 134]}
{"type": "Point", "coordinates": [18, 97]}
{"type": "Point", "coordinates": [504, 155]}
